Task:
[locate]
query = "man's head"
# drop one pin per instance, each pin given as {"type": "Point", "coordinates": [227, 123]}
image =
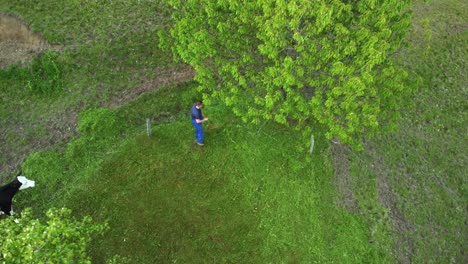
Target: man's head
{"type": "Point", "coordinates": [199, 104]}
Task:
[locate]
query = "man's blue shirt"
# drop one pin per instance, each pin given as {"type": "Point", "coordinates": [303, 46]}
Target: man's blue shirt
{"type": "Point", "coordinates": [196, 113]}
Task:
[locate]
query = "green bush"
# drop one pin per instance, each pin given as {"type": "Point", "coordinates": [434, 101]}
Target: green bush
{"type": "Point", "coordinates": [46, 74]}
{"type": "Point", "coordinates": [60, 239]}
{"type": "Point", "coordinates": [190, 96]}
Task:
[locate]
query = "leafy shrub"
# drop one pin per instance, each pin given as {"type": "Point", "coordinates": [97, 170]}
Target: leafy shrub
{"type": "Point", "coordinates": [191, 95]}
{"type": "Point", "coordinates": [46, 74]}
{"type": "Point", "coordinates": [61, 239]}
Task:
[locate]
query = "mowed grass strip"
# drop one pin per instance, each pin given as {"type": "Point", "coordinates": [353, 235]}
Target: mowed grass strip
{"type": "Point", "coordinates": [166, 201]}
{"type": "Point", "coordinates": [247, 196]}
{"type": "Point", "coordinates": [250, 195]}
{"type": "Point", "coordinates": [163, 207]}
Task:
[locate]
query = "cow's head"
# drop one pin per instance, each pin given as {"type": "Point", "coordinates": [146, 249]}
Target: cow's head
{"type": "Point", "coordinates": [8, 191]}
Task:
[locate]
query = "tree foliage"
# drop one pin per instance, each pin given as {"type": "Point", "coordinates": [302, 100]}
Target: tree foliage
{"type": "Point", "coordinates": [296, 61]}
{"type": "Point", "coordinates": [61, 239]}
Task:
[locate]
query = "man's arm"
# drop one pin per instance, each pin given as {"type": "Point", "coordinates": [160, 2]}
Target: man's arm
{"type": "Point", "coordinates": [202, 118]}
{"type": "Point", "coordinates": [199, 121]}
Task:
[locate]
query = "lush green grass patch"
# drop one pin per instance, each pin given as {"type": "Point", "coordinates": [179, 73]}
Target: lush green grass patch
{"type": "Point", "coordinates": [249, 195]}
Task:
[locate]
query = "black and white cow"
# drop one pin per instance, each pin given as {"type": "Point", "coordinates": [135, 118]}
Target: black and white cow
{"type": "Point", "coordinates": [8, 191]}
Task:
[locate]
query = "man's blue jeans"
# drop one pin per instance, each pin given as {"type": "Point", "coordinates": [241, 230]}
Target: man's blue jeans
{"type": "Point", "coordinates": [199, 134]}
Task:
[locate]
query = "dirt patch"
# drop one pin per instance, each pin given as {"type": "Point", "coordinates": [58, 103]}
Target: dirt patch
{"type": "Point", "coordinates": [175, 75]}
{"type": "Point", "coordinates": [62, 127]}
{"type": "Point", "coordinates": [18, 44]}
{"type": "Point", "coordinates": [58, 130]}
{"type": "Point", "coordinates": [387, 197]}
{"type": "Point", "coordinates": [343, 181]}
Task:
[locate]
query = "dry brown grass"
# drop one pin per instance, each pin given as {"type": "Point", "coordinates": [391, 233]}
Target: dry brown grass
{"type": "Point", "coordinates": [18, 44]}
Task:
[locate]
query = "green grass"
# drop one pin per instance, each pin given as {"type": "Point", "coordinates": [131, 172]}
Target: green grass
{"type": "Point", "coordinates": [251, 195]}
{"type": "Point", "coordinates": [105, 48]}
{"type": "Point", "coordinates": [425, 162]}
{"type": "Point", "coordinates": [247, 196]}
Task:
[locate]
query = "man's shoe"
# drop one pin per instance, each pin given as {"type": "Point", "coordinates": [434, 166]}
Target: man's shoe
{"type": "Point", "coordinates": [200, 144]}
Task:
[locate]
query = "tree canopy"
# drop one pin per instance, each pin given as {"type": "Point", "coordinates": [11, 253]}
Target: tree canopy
{"type": "Point", "coordinates": [61, 239]}
{"type": "Point", "coordinates": [297, 62]}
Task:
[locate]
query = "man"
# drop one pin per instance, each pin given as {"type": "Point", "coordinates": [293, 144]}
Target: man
{"type": "Point", "coordinates": [197, 119]}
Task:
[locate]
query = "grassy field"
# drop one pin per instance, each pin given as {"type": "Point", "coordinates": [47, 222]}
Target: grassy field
{"type": "Point", "coordinates": [247, 196]}
{"type": "Point", "coordinates": [252, 194]}
{"type": "Point", "coordinates": [108, 49]}
{"type": "Point", "coordinates": [423, 165]}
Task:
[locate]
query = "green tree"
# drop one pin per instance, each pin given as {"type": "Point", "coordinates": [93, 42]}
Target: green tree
{"type": "Point", "coordinates": [296, 61]}
{"type": "Point", "coordinates": [61, 239]}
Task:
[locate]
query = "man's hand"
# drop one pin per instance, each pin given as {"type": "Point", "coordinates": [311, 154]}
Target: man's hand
{"type": "Point", "coordinates": [199, 121]}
